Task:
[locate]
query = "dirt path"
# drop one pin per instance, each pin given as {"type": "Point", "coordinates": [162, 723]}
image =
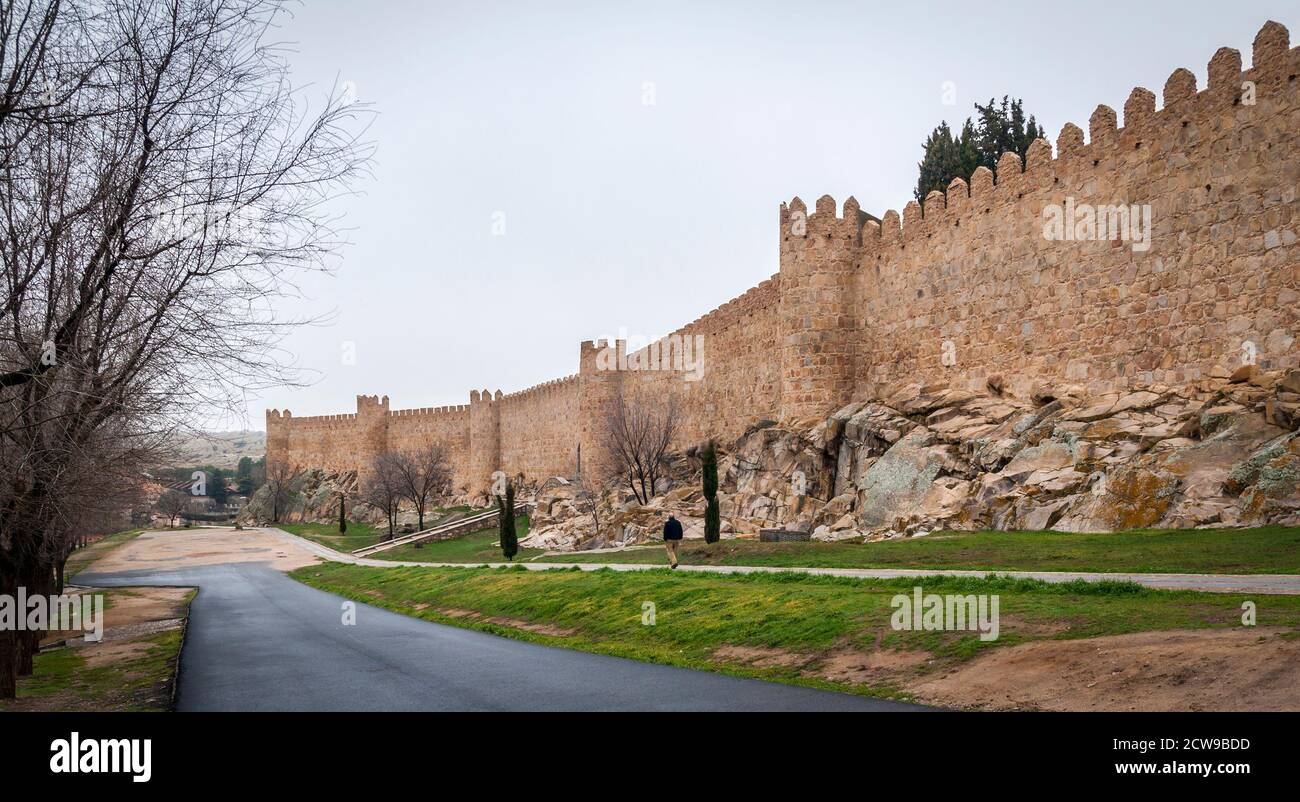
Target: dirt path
{"type": "Point", "coordinates": [187, 548]}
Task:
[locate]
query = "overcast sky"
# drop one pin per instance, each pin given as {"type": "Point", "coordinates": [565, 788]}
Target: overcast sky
{"type": "Point", "coordinates": [637, 154]}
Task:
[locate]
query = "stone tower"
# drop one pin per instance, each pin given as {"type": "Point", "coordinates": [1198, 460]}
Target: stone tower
{"type": "Point", "coordinates": [599, 384]}
{"type": "Point", "coordinates": [372, 430]}
{"type": "Point", "coordinates": [819, 252]}
{"type": "Point", "coordinates": [484, 439]}
{"type": "Point", "coordinates": [278, 428]}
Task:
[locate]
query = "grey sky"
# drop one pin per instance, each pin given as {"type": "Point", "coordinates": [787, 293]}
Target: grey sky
{"type": "Point", "coordinates": [643, 217]}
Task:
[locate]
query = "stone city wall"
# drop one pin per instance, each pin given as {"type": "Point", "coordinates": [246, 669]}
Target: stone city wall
{"type": "Point", "coordinates": [1004, 282]}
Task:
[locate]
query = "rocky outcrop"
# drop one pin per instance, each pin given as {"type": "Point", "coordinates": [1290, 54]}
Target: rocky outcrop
{"type": "Point", "coordinates": [1222, 452]}
{"type": "Point", "coordinates": [313, 496]}
{"type": "Point", "coordinates": [570, 514]}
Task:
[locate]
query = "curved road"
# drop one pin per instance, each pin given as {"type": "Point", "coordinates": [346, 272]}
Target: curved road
{"type": "Point", "coordinates": [258, 640]}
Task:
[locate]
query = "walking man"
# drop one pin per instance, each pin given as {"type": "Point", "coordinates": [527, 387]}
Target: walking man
{"type": "Point", "coordinates": [672, 536]}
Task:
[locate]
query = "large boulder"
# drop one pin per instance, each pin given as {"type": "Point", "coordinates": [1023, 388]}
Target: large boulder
{"type": "Point", "coordinates": [895, 484]}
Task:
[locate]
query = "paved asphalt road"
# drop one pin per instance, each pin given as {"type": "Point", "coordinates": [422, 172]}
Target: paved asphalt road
{"type": "Point", "coordinates": [258, 640]}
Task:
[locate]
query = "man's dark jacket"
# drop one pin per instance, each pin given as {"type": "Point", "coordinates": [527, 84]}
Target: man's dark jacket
{"type": "Point", "coordinates": [673, 529]}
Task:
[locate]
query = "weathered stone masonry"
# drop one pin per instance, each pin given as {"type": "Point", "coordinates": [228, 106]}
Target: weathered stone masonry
{"type": "Point", "coordinates": [862, 303]}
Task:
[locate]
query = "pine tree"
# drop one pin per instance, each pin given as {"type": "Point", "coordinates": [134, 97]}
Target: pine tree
{"type": "Point", "coordinates": [712, 512]}
{"type": "Point", "coordinates": [1004, 129]}
{"type": "Point", "coordinates": [244, 476]}
{"type": "Point", "coordinates": [936, 164]}
{"type": "Point", "coordinates": [216, 482]}
{"type": "Point", "coordinates": [1001, 128]}
{"type": "Point", "coordinates": [506, 520]}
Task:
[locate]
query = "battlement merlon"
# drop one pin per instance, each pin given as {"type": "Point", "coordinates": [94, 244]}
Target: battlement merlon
{"type": "Point", "coordinates": [371, 404]}
{"type": "Point", "coordinates": [1274, 63]}
{"type": "Point", "coordinates": [601, 356]}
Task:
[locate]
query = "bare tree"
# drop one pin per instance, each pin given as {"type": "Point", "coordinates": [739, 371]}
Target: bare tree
{"type": "Point", "coordinates": [423, 475]}
{"type": "Point", "coordinates": [280, 476]}
{"type": "Point", "coordinates": [32, 94]}
{"type": "Point", "coordinates": [592, 488]}
{"type": "Point", "coordinates": [173, 503]}
{"type": "Point", "coordinates": [161, 185]}
{"type": "Point", "coordinates": [638, 435]}
{"type": "Point", "coordinates": [111, 500]}
{"type": "Point", "coordinates": [384, 486]}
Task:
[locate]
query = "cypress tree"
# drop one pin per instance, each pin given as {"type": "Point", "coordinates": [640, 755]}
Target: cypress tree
{"type": "Point", "coordinates": [506, 516]}
{"type": "Point", "coordinates": [712, 512]}
{"type": "Point", "coordinates": [343, 521]}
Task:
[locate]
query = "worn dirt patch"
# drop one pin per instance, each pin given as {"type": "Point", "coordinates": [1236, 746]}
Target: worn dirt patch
{"type": "Point", "coordinates": [135, 611]}
{"type": "Point", "coordinates": [107, 654]}
{"type": "Point", "coordinates": [1035, 628]}
{"type": "Point", "coordinates": [762, 656]}
{"type": "Point", "coordinates": [1204, 669]}
{"type": "Point", "coordinates": [843, 664]}
{"type": "Point", "coordinates": [881, 666]}
{"type": "Point", "coordinates": [513, 623]}
{"type": "Point", "coordinates": [1244, 668]}
{"type": "Point", "coordinates": [143, 629]}
{"type": "Point", "coordinates": [164, 550]}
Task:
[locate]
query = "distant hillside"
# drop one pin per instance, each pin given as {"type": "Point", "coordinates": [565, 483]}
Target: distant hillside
{"type": "Point", "coordinates": [219, 449]}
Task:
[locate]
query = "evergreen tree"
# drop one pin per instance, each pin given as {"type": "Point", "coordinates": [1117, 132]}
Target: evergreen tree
{"type": "Point", "coordinates": [244, 476]}
{"type": "Point", "coordinates": [712, 512]}
{"type": "Point", "coordinates": [946, 158]}
{"type": "Point", "coordinates": [252, 477]}
{"type": "Point", "coordinates": [506, 520]}
{"type": "Point", "coordinates": [343, 519]}
{"type": "Point", "coordinates": [216, 481]}
{"type": "Point", "coordinates": [999, 128]}
{"type": "Point", "coordinates": [1002, 129]}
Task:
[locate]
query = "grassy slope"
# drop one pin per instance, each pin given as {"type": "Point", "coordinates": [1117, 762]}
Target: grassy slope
{"type": "Point", "coordinates": [807, 615]}
{"type": "Point", "coordinates": [1265, 550]}
{"type": "Point", "coordinates": [359, 535]}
